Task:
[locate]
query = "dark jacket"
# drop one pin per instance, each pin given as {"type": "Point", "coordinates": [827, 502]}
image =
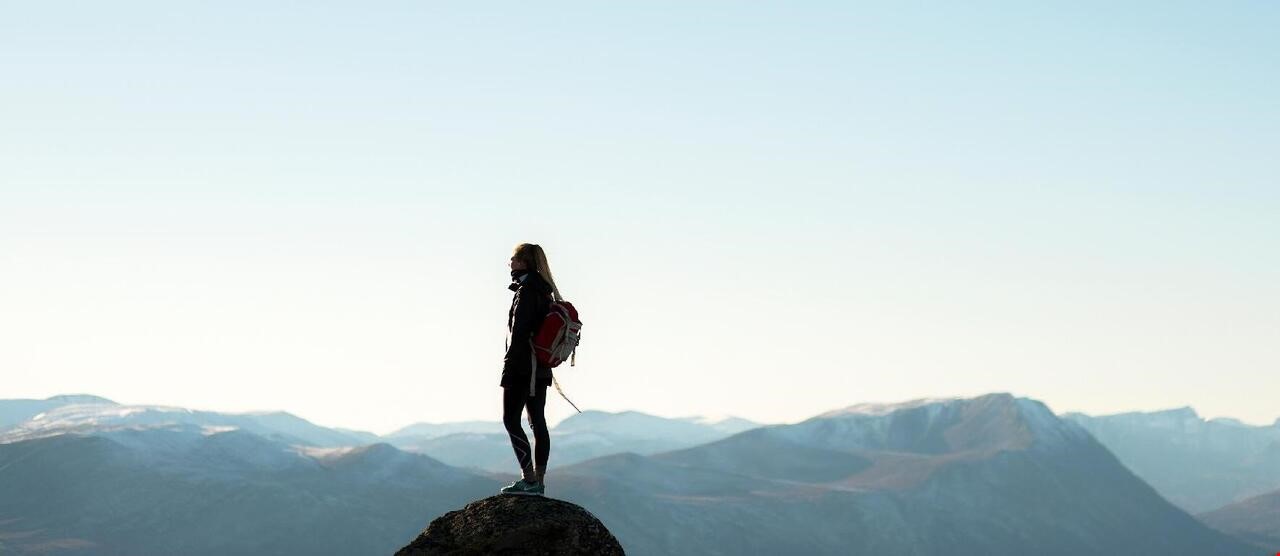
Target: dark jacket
{"type": "Point", "coordinates": [529, 307]}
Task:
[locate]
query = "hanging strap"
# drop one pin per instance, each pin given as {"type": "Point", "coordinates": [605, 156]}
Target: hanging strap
{"type": "Point", "coordinates": [566, 398]}
{"type": "Point", "coordinates": [533, 377]}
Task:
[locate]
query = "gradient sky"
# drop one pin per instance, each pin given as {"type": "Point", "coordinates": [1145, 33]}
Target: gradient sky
{"type": "Point", "coordinates": [765, 209]}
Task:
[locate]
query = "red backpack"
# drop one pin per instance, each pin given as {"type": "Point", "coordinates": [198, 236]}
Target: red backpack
{"type": "Point", "coordinates": [557, 338]}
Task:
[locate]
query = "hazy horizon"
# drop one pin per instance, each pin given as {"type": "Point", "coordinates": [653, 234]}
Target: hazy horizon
{"type": "Point", "coordinates": [766, 211]}
{"type": "Point", "coordinates": [553, 422]}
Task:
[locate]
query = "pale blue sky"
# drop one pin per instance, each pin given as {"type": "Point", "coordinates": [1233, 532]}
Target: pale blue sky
{"type": "Point", "coordinates": [762, 209]}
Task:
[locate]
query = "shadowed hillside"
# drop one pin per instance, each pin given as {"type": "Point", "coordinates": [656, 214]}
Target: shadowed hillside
{"type": "Point", "coordinates": [186, 492]}
{"type": "Point", "coordinates": [1256, 520]}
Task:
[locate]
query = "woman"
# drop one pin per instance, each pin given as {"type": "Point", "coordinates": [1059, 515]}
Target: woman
{"type": "Point", "coordinates": [524, 380]}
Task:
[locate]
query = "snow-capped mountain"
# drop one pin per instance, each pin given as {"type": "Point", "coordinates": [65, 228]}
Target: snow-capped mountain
{"type": "Point", "coordinates": [14, 412]}
{"type": "Point", "coordinates": [936, 426]}
{"type": "Point", "coordinates": [61, 415]}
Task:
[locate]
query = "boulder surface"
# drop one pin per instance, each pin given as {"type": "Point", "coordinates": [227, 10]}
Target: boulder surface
{"type": "Point", "coordinates": [511, 524]}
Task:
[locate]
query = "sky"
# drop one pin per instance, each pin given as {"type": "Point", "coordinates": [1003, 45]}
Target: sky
{"type": "Point", "coordinates": [761, 209]}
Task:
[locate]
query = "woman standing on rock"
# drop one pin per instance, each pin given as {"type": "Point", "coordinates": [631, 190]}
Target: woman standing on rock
{"type": "Point", "coordinates": [524, 379]}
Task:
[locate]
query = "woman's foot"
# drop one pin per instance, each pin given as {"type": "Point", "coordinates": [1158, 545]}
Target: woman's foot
{"type": "Point", "coordinates": [523, 487]}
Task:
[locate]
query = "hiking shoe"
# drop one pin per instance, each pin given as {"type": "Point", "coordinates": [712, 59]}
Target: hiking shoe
{"type": "Point", "coordinates": [524, 487]}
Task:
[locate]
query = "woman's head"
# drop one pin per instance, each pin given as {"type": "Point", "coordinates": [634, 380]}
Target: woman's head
{"type": "Point", "coordinates": [530, 256]}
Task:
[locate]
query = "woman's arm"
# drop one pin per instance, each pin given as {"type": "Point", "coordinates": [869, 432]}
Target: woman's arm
{"type": "Point", "coordinates": [526, 316]}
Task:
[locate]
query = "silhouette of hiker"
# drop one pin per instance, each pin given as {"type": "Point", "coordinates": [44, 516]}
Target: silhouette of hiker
{"type": "Point", "coordinates": [524, 380]}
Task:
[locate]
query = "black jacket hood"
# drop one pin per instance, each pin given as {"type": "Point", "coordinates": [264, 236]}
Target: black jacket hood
{"type": "Point", "coordinates": [529, 279]}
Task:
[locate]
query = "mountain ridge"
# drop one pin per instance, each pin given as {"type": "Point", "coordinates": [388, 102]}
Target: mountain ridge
{"type": "Point", "coordinates": [1199, 464]}
{"type": "Point", "coordinates": [992, 474]}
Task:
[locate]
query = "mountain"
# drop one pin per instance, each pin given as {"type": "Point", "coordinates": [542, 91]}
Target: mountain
{"type": "Point", "coordinates": [579, 437]}
{"type": "Point", "coordinates": [1256, 520]}
{"type": "Point", "coordinates": [1197, 464]}
{"type": "Point", "coordinates": [188, 490]}
{"type": "Point", "coordinates": [990, 475]}
{"type": "Point", "coordinates": [358, 436]}
{"type": "Point", "coordinates": [726, 424]}
{"type": "Point", "coordinates": [88, 414]}
{"type": "Point", "coordinates": [489, 452]}
{"type": "Point", "coordinates": [634, 424]}
{"type": "Point", "coordinates": [434, 430]}
{"type": "Point", "coordinates": [13, 412]}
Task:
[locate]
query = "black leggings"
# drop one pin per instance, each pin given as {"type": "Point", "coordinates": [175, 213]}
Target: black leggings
{"type": "Point", "coordinates": [513, 401]}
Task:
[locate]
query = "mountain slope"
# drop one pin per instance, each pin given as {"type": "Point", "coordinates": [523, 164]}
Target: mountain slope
{"type": "Point", "coordinates": [1256, 520]}
{"type": "Point", "coordinates": [726, 425]}
{"type": "Point", "coordinates": [186, 491]}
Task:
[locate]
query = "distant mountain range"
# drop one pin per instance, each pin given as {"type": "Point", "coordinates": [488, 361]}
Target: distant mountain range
{"type": "Point", "coordinates": [1198, 464]}
{"type": "Point", "coordinates": [436, 430]}
{"type": "Point", "coordinates": [68, 414]}
{"type": "Point", "coordinates": [484, 445]}
{"type": "Point", "coordinates": [988, 475]}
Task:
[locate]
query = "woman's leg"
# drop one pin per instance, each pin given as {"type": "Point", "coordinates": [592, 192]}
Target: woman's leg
{"type": "Point", "coordinates": [541, 436]}
{"type": "Point", "coordinates": [513, 400]}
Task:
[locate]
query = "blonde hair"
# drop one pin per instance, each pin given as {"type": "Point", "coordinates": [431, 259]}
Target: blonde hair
{"type": "Point", "coordinates": [535, 259]}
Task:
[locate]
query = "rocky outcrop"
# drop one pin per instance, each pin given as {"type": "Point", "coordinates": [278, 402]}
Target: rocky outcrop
{"type": "Point", "coordinates": [509, 524]}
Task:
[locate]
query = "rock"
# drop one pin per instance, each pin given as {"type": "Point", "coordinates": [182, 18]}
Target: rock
{"type": "Point", "coordinates": [511, 524]}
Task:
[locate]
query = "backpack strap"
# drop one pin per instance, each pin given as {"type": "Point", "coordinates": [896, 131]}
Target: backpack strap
{"type": "Point", "coordinates": [566, 398]}
{"type": "Point", "coordinates": [533, 377]}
